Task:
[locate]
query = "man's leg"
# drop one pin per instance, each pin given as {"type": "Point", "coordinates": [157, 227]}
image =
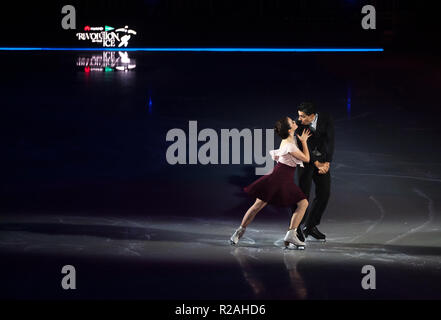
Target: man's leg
{"type": "Point", "coordinates": [322, 192]}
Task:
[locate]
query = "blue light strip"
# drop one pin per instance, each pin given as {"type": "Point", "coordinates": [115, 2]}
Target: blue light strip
{"type": "Point", "coordinates": [200, 49]}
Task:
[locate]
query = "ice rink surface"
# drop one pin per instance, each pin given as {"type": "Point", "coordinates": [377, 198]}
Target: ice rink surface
{"type": "Point", "coordinates": [86, 182]}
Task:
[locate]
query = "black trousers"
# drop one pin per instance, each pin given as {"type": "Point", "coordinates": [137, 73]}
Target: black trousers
{"type": "Point", "coordinates": [322, 183]}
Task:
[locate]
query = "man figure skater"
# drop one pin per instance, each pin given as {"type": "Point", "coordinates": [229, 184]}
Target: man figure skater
{"type": "Point", "coordinates": [321, 146]}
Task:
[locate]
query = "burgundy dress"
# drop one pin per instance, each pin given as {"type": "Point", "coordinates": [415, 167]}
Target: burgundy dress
{"type": "Point", "coordinates": [278, 187]}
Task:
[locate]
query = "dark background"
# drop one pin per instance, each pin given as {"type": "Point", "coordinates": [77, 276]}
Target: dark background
{"type": "Point", "coordinates": [77, 141]}
{"type": "Point", "coordinates": [401, 24]}
{"type": "Point", "coordinates": [84, 179]}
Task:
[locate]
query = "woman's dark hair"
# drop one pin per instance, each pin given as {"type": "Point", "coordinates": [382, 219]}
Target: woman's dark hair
{"type": "Point", "coordinates": [282, 126]}
{"type": "Point", "coordinates": [307, 107]}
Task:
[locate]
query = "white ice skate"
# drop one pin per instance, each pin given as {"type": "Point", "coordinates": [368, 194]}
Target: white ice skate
{"type": "Point", "coordinates": [291, 237]}
{"type": "Point", "coordinates": [237, 235]}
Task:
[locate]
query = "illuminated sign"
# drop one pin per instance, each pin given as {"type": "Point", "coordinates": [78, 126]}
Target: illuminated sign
{"type": "Point", "coordinates": [107, 36]}
{"type": "Point", "coordinates": [106, 61]}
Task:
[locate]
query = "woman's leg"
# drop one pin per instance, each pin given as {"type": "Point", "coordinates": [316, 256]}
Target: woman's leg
{"type": "Point", "coordinates": [252, 211]}
{"type": "Point", "coordinates": [291, 235]}
{"type": "Point", "coordinates": [298, 214]}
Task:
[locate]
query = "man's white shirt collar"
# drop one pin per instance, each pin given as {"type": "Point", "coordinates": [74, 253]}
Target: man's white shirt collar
{"type": "Point", "coordinates": [314, 122]}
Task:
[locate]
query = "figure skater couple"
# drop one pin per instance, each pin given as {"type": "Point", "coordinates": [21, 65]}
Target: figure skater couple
{"type": "Point", "coordinates": [308, 144]}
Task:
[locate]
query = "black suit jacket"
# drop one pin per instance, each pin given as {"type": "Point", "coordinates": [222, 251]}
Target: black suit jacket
{"type": "Point", "coordinates": [321, 142]}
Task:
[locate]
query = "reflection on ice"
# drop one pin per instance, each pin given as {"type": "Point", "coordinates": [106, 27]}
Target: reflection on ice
{"type": "Point", "coordinates": [266, 268]}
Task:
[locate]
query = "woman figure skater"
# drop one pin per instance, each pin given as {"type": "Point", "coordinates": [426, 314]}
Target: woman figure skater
{"type": "Point", "coordinates": [278, 187]}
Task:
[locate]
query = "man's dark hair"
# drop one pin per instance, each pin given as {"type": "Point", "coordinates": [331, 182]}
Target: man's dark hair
{"type": "Point", "coordinates": [307, 107]}
{"type": "Point", "coordinates": [282, 126]}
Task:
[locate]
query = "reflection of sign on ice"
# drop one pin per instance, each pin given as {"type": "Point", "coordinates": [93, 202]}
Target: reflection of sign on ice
{"type": "Point", "coordinates": [125, 62]}
{"type": "Point", "coordinates": [107, 61]}
{"type": "Point", "coordinates": [108, 36]}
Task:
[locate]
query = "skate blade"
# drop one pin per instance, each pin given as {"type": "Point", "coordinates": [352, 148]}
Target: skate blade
{"type": "Point", "coordinates": [294, 247]}
{"type": "Point", "coordinates": [312, 239]}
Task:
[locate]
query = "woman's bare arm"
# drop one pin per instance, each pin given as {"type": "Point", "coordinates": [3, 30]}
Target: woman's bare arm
{"type": "Point", "coordinates": [302, 155]}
